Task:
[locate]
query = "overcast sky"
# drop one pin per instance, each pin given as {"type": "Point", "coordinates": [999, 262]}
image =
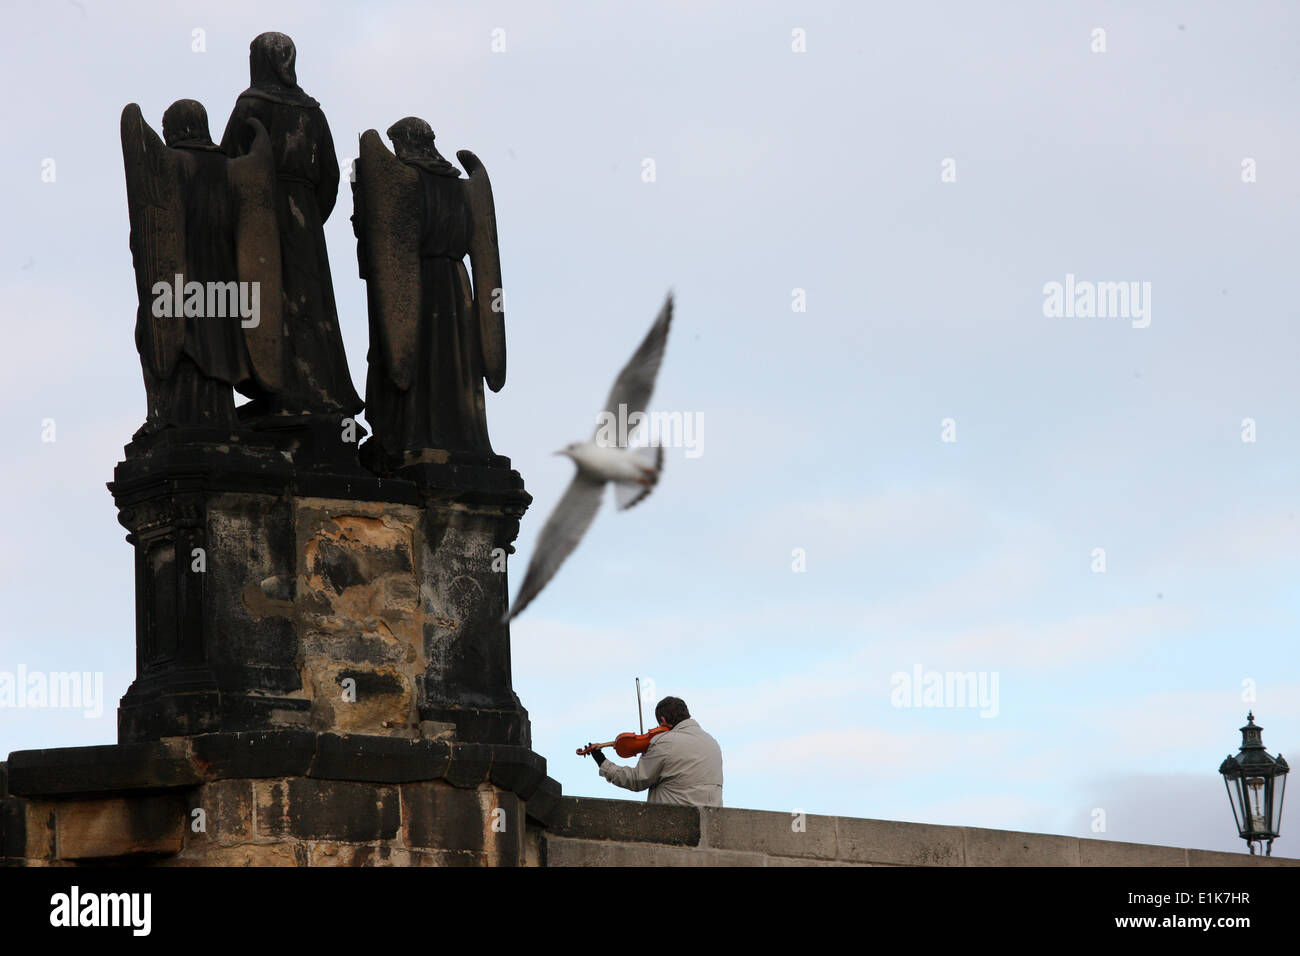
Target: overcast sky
{"type": "Point", "coordinates": [1172, 158]}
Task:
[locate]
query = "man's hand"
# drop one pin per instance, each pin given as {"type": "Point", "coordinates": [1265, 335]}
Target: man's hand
{"type": "Point", "coordinates": [596, 755]}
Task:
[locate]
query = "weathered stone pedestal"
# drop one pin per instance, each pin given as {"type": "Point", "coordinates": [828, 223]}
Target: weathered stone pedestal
{"type": "Point", "coordinates": [325, 599]}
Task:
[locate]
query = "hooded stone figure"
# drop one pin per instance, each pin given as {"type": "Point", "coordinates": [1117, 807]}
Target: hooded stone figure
{"type": "Point", "coordinates": [199, 216]}
{"type": "Point", "coordinates": [434, 337]}
{"type": "Point", "coordinates": [315, 369]}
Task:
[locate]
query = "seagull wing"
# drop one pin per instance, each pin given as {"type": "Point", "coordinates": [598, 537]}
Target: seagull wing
{"type": "Point", "coordinates": [560, 535]}
{"type": "Point", "coordinates": [636, 382]}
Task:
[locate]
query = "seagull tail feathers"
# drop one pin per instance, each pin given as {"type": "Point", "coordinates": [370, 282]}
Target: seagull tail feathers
{"type": "Point", "coordinates": [630, 493]}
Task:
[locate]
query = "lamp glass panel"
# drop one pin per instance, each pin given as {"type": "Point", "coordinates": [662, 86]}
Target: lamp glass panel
{"type": "Point", "coordinates": [1255, 791]}
{"type": "Point", "coordinates": [1233, 784]}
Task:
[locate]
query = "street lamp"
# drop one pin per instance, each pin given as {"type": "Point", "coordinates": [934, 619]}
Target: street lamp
{"type": "Point", "coordinates": [1256, 786]}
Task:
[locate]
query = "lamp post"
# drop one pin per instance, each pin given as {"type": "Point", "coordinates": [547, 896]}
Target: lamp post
{"type": "Point", "coordinates": [1256, 786]}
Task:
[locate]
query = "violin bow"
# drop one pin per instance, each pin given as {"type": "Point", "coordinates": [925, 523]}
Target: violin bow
{"type": "Point", "coordinates": [639, 719]}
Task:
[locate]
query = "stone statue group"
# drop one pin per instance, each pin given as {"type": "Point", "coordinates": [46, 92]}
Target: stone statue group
{"type": "Point", "coordinates": [233, 277]}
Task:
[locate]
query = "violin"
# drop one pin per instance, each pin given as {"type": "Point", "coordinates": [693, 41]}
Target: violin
{"type": "Point", "coordinates": [628, 744]}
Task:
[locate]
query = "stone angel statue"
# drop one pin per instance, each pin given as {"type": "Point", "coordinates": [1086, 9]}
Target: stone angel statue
{"type": "Point", "coordinates": [316, 377]}
{"type": "Point", "coordinates": [207, 265]}
{"type": "Point", "coordinates": [435, 337]}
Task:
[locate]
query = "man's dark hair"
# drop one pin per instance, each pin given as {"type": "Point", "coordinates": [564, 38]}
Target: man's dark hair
{"type": "Point", "coordinates": [671, 711]}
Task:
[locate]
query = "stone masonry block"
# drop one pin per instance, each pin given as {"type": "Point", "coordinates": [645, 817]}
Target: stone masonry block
{"type": "Point", "coordinates": [244, 854]}
{"type": "Point", "coordinates": [1219, 858]}
{"type": "Point", "coordinates": [106, 769]}
{"type": "Point", "coordinates": [503, 827]}
{"type": "Point", "coordinates": [560, 851]}
{"type": "Point", "coordinates": [1111, 853]}
{"type": "Point", "coordinates": [441, 817]}
{"type": "Point", "coordinates": [310, 809]}
{"type": "Point", "coordinates": [900, 844]}
{"type": "Point", "coordinates": [13, 827]}
{"type": "Point", "coordinates": [228, 810]}
{"type": "Point", "coordinates": [517, 769]}
{"type": "Point", "coordinates": [471, 764]}
{"type": "Point", "coordinates": [597, 819]}
{"type": "Point", "coordinates": [799, 861]}
{"type": "Point", "coordinates": [379, 759]}
{"type": "Point", "coordinates": [544, 801]}
{"type": "Point", "coordinates": [1011, 848]}
{"type": "Point", "coordinates": [40, 829]}
{"type": "Point", "coordinates": [776, 833]}
{"type": "Point", "coordinates": [119, 826]}
{"type": "Point", "coordinates": [276, 753]}
{"type": "Point", "coordinates": [328, 853]}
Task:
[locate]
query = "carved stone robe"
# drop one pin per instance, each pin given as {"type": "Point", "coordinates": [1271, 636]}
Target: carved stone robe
{"type": "Point", "coordinates": [210, 246]}
{"type": "Point", "coordinates": [443, 408]}
{"type": "Point", "coordinates": [316, 377]}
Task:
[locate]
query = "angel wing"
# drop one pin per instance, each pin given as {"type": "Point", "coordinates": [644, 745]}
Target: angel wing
{"type": "Point", "coordinates": [636, 382]}
{"type": "Point", "coordinates": [257, 242]}
{"type": "Point", "coordinates": [560, 535]}
{"type": "Point", "coordinates": [485, 257]}
{"type": "Point", "coordinates": [157, 237]}
{"type": "Point", "coordinates": [389, 234]}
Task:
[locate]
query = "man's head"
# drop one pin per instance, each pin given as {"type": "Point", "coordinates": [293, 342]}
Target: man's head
{"type": "Point", "coordinates": [671, 711]}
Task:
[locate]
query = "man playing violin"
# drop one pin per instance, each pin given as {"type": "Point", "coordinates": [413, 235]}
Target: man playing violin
{"type": "Point", "coordinates": [682, 765]}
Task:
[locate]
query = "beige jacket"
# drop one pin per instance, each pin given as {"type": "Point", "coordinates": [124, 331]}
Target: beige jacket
{"type": "Point", "coordinates": [682, 766]}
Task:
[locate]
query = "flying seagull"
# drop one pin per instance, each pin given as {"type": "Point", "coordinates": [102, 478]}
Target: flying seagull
{"type": "Point", "coordinates": [633, 471]}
